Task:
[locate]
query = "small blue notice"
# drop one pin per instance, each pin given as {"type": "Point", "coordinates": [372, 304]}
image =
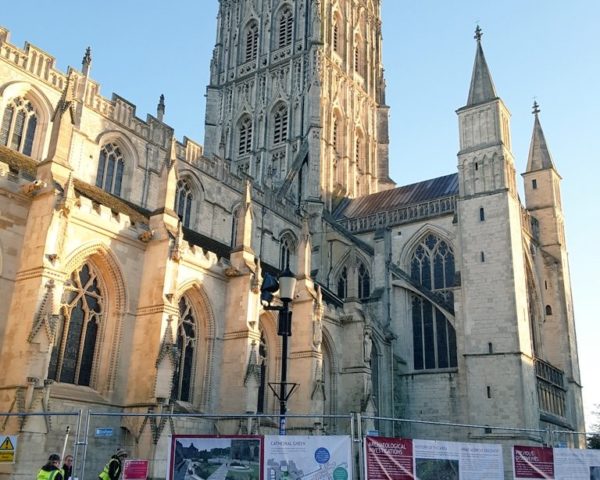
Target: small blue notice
{"type": "Point", "coordinates": [104, 432]}
{"type": "Point", "coordinates": [322, 455]}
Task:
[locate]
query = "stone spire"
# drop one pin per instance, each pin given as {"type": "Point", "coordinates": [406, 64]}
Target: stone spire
{"type": "Point", "coordinates": [62, 125]}
{"type": "Point", "coordinates": [539, 155]}
{"type": "Point", "coordinates": [160, 109]}
{"type": "Point", "coordinates": [243, 237]}
{"type": "Point", "coordinates": [86, 63]}
{"type": "Point", "coordinates": [168, 188]}
{"type": "Point", "coordinates": [482, 86]}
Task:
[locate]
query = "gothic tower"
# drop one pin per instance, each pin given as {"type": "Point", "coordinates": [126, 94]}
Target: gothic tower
{"type": "Point", "coordinates": [495, 329]}
{"type": "Point", "coordinates": [296, 97]}
{"type": "Point", "coordinates": [543, 201]}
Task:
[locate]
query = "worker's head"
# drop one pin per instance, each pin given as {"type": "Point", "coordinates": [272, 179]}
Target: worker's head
{"type": "Point", "coordinates": [54, 459]}
{"type": "Point", "coordinates": [120, 453]}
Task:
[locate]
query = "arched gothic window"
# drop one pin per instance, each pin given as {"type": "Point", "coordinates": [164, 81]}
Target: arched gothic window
{"type": "Point", "coordinates": [434, 337]}
{"type": "Point", "coordinates": [110, 169]}
{"type": "Point", "coordinates": [280, 125]}
{"type": "Point", "coordinates": [285, 27]}
{"type": "Point", "coordinates": [73, 354]}
{"type": "Point", "coordinates": [262, 388]}
{"type": "Point", "coordinates": [183, 201]}
{"type": "Point", "coordinates": [286, 252]}
{"type": "Point", "coordinates": [186, 346]}
{"type": "Point", "coordinates": [342, 283]}
{"type": "Point", "coordinates": [364, 282]}
{"type": "Point", "coordinates": [245, 142]}
{"type": "Point", "coordinates": [251, 50]}
{"type": "Point", "coordinates": [18, 127]}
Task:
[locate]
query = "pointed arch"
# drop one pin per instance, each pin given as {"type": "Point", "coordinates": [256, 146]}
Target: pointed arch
{"type": "Point", "coordinates": [206, 330]}
{"type": "Point", "coordinates": [330, 373]}
{"type": "Point", "coordinates": [288, 244]}
{"type": "Point", "coordinates": [284, 26]}
{"type": "Point", "coordinates": [280, 120]}
{"type": "Point", "coordinates": [432, 268]}
{"type": "Point", "coordinates": [117, 158]}
{"type": "Point", "coordinates": [251, 41]}
{"type": "Point", "coordinates": [270, 364]}
{"type": "Point", "coordinates": [110, 280]}
{"type": "Point", "coordinates": [405, 256]}
{"type": "Point", "coordinates": [245, 134]}
{"type": "Point", "coordinates": [43, 111]}
{"type": "Point", "coordinates": [188, 198]}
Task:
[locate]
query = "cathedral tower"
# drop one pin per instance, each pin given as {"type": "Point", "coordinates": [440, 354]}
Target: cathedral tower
{"type": "Point", "coordinates": [296, 97]}
{"type": "Point", "coordinates": [496, 335]}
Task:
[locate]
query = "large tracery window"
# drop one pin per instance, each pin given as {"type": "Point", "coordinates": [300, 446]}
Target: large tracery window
{"type": "Point", "coordinates": [110, 169]}
{"type": "Point", "coordinates": [183, 201]}
{"type": "Point", "coordinates": [186, 346]}
{"type": "Point", "coordinates": [434, 337]}
{"type": "Point", "coordinates": [73, 354]}
{"type": "Point", "coordinates": [286, 23]}
{"type": "Point", "coordinates": [251, 51]}
{"type": "Point", "coordinates": [245, 139]}
{"type": "Point", "coordinates": [280, 125]}
{"type": "Point", "coordinates": [19, 123]}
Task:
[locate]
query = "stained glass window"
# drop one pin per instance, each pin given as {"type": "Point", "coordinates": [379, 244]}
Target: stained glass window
{"type": "Point", "coordinates": [73, 354]}
{"type": "Point", "coordinates": [434, 337]}
{"type": "Point", "coordinates": [285, 252]}
{"type": "Point", "coordinates": [18, 127]}
{"type": "Point", "coordinates": [186, 346]}
{"type": "Point", "coordinates": [183, 201]}
{"type": "Point", "coordinates": [110, 169]}
{"type": "Point", "coordinates": [364, 282]}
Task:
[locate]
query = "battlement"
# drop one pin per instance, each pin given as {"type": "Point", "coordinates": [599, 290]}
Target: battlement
{"type": "Point", "coordinates": [42, 66]}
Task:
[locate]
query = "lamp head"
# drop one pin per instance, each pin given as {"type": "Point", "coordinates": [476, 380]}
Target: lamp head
{"type": "Point", "coordinates": [287, 285]}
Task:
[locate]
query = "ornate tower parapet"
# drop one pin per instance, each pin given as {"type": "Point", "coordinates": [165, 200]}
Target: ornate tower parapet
{"type": "Point", "coordinates": [296, 97]}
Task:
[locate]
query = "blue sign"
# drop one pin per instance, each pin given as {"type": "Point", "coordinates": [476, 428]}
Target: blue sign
{"type": "Point", "coordinates": [104, 432]}
{"type": "Point", "coordinates": [322, 455]}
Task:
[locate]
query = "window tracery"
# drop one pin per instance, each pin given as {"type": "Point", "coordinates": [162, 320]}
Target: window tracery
{"type": "Point", "coordinates": [286, 24]}
{"type": "Point", "coordinates": [434, 338]}
{"type": "Point", "coordinates": [73, 355]}
{"type": "Point", "coordinates": [245, 137]}
{"type": "Point", "coordinates": [186, 346]}
{"type": "Point", "coordinates": [286, 252]}
{"type": "Point", "coordinates": [110, 169]}
{"type": "Point", "coordinates": [19, 124]}
{"type": "Point", "coordinates": [251, 50]}
{"type": "Point", "coordinates": [280, 125]}
{"type": "Point", "coordinates": [183, 201]}
{"type": "Point", "coordinates": [364, 282]}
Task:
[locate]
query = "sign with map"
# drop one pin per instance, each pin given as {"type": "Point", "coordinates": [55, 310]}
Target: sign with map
{"type": "Point", "coordinates": [203, 457]}
{"type": "Point", "coordinates": [309, 458]}
{"type": "Point", "coordinates": [406, 459]}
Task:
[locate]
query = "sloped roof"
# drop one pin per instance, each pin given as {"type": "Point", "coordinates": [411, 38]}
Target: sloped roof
{"type": "Point", "coordinates": [399, 197]}
{"type": "Point", "coordinates": [17, 161]}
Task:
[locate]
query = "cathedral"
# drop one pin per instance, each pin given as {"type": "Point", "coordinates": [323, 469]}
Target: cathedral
{"type": "Point", "coordinates": [131, 262]}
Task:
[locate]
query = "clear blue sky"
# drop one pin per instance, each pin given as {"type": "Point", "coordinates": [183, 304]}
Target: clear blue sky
{"type": "Point", "coordinates": [547, 49]}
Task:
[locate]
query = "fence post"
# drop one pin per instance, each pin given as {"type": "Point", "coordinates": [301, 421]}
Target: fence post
{"type": "Point", "coordinates": [85, 443]}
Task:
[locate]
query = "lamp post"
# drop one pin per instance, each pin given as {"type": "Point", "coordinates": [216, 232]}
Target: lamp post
{"type": "Point", "coordinates": [285, 284]}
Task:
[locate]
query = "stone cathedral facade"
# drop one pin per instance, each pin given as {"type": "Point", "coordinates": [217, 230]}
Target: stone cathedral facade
{"type": "Point", "coordinates": [131, 262]}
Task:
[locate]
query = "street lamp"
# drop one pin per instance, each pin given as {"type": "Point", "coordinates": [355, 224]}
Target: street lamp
{"type": "Point", "coordinates": [286, 285]}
